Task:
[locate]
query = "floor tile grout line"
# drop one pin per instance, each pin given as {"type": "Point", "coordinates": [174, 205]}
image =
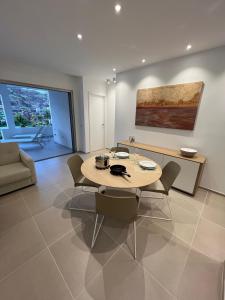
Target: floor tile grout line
{"type": "Point", "coordinates": [189, 209]}
{"type": "Point", "coordinates": [21, 221]}
{"type": "Point", "coordinates": [172, 233]}
{"type": "Point", "coordinates": [95, 276]}
{"type": "Point", "coordinates": [193, 237]}
{"type": "Point", "coordinates": [148, 271]}
{"type": "Point", "coordinates": [47, 247]}
{"type": "Point", "coordinates": [20, 266]}
{"type": "Point", "coordinates": [199, 219]}
{"type": "Point", "coordinates": [183, 208]}
{"type": "Point", "coordinates": [65, 234]}
{"type": "Point", "coordinates": [31, 218]}
{"type": "Point", "coordinates": [200, 216]}
{"type": "Point", "coordinates": [128, 252]}
{"type": "Point", "coordinates": [38, 213]}
{"type": "Point", "coordinates": [192, 198]}
{"type": "Point", "coordinates": [160, 283]}
{"type": "Point", "coordinates": [157, 280]}
{"type": "Point", "coordinates": [130, 232]}
{"type": "Point", "coordinates": [66, 284]}
{"type": "Point", "coordinates": [120, 246]}
{"type": "Point", "coordinates": [189, 246]}
{"type": "Point", "coordinates": [61, 237]}
{"type": "Point", "coordinates": [60, 272]}
{"type": "Point", "coordinates": [210, 221]}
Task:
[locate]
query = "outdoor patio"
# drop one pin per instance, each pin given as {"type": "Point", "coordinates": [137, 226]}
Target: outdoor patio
{"type": "Point", "coordinates": [50, 149]}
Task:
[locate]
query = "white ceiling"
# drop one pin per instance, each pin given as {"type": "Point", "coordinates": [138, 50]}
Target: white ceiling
{"type": "Point", "coordinates": [43, 32]}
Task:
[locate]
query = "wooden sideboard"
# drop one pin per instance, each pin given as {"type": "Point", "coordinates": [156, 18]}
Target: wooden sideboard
{"type": "Point", "coordinates": [191, 168]}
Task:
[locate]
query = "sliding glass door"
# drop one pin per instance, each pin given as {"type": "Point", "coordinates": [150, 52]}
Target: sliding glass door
{"type": "Point", "coordinates": [40, 120]}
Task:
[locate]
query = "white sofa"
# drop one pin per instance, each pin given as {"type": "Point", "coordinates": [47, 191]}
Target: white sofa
{"type": "Point", "coordinates": [17, 169]}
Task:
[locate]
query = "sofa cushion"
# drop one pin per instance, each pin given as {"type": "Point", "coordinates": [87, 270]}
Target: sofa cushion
{"type": "Point", "coordinates": [9, 153]}
{"type": "Point", "coordinates": [13, 172]}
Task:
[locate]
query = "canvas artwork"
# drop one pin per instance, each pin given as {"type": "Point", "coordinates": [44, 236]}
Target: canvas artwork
{"type": "Point", "coordinates": [172, 106]}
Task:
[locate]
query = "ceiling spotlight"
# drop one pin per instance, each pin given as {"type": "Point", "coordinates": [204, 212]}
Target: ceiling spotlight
{"type": "Point", "coordinates": [117, 8]}
{"type": "Point", "coordinates": [114, 69]}
{"type": "Point", "coordinates": [189, 46]}
{"type": "Point", "coordinates": [79, 36]}
{"type": "Point", "coordinates": [114, 80]}
{"type": "Point", "coordinates": [143, 60]}
{"type": "Point", "coordinates": [108, 81]}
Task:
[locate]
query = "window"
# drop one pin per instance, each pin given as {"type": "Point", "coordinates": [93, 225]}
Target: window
{"type": "Point", "coordinates": [3, 121]}
{"type": "Point", "coordinates": [30, 106]}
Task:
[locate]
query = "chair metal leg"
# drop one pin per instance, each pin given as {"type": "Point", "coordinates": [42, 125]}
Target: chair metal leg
{"type": "Point", "coordinates": [168, 204]}
{"type": "Point", "coordinates": [153, 197]}
{"type": "Point", "coordinates": [139, 202]}
{"type": "Point", "coordinates": [135, 240]}
{"type": "Point", "coordinates": [83, 209]}
{"type": "Point", "coordinates": [158, 218]}
{"type": "Point", "coordinates": [93, 237]}
{"type": "Point", "coordinates": [95, 234]}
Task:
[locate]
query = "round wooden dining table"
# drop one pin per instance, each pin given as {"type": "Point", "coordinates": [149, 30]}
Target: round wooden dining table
{"type": "Point", "coordinates": [139, 177]}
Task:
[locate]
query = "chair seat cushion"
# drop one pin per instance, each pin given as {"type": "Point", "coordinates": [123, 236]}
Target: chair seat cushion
{"type": "Point", "coordinates": [156, 187]}
{"type": "Point", "coordinates": [13, 172]}
{"type": "Point", "coordinates": [86, 182]}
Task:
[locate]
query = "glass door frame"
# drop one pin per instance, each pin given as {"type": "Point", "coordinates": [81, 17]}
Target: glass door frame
{"type": "Point", "coordinates": [71, 107]}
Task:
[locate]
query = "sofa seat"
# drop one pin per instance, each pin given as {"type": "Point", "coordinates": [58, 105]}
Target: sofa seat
{"type": "Point", "coordinates": [14, 172]}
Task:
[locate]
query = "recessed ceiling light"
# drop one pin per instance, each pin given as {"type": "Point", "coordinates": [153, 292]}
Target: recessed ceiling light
{"type": "Point", "coordinates": [114, 69]}
{"type": "Point", "coordinates": [143, 60]}
{"type": "Point", "coordinates": [108, 81]}
{"type": "Point", "coordinates": [117, 8]}
{"type": "Point", "coordinates": [189, 46]}
{"type": "Point", "coordinates": [79, 36]}
{"type": "Point", "coordinates": [114, 80]}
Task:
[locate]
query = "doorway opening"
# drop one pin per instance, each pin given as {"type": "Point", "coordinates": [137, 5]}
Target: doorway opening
{"type": "Point", "coordinates": [39, 119]}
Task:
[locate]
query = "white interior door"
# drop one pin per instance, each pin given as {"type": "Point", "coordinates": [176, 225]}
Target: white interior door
{"type": "Point", "coordinates": [97, 122]}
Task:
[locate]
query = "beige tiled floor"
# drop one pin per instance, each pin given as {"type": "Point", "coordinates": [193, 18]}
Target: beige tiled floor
{"type": "Point", "coordinates": [45, 248]}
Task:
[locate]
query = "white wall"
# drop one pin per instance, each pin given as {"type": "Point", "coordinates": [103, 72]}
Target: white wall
{"type": "Point", "coordinates": [60, 115]}
{"type": "Point", "coordinates": [81, 87]}
{"type": "Point", "coordinates": [31, 74]}
{"type": "Point", "coordinates": [209, 133]}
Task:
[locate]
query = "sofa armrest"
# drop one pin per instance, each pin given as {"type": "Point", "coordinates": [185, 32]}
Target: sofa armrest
{"type": "Point", "coordinates": [29, 163]}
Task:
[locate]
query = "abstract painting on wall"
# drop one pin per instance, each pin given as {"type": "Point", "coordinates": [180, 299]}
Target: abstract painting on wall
{"type": "Point", "coordinates": [172, 106]}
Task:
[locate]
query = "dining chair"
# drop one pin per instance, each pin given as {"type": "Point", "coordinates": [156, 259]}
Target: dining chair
{"type": "Point", "coordinates": [162, 186]}
{"type": "Point", "coordinates": [122, 208]}
{"type": "Point", "coordinates": [74, 163]}
{"type": "Point", "coordinates": [119, 149]}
